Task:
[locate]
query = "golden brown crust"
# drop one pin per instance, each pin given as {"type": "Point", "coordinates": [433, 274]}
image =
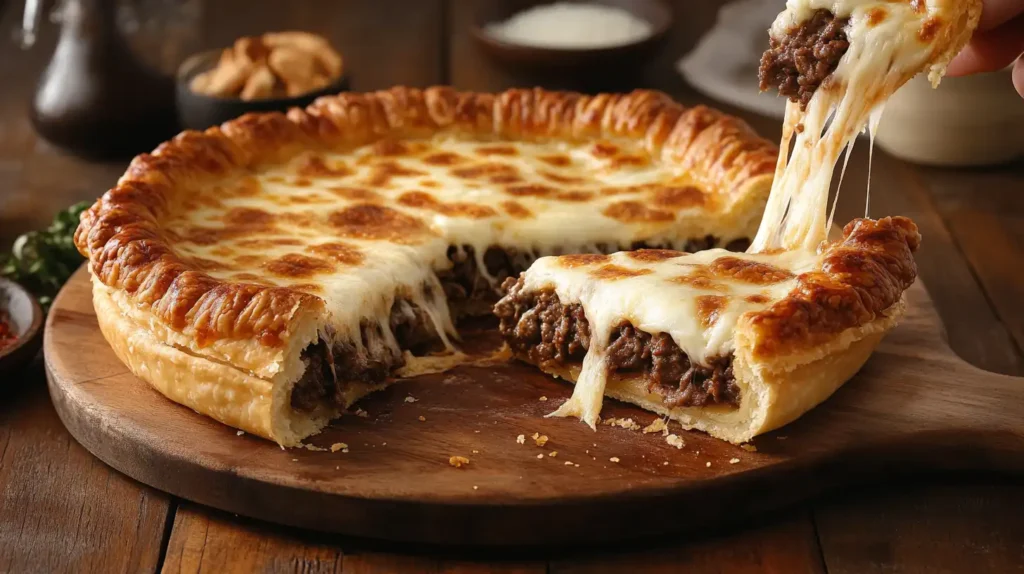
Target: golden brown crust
{"type": "Point", "coordinates": [861, 276]}
{"type": "Point", "coordinates": [128, 250]}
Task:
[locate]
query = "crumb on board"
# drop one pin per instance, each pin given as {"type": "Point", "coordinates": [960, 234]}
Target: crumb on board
{"type": "Point", "coordinates": [361, 413]}
{"type": "Point", "coordinates": [542, 399]}
{"type": "Point", "coordinates": [521, 439]}
{"type": "Point", "coordinates": [553, 453]}
{"type": "Point", "coordinates": [541, 455]}
{"type": "Point", "coordinates": [411, 399]}
{"type": "Point", "coordinates": [475, 487]}
{"type": "Point", "coordinates": [338, 446]}
{"type": "Point", "coordinates": [458, 461]}
{"type": "Point", "coordinates": [240, 433]}
{"type": "Point", "coordinates": [540, 439]}
{"type": "Point", "coordinates": [476, 452]}
{"type": "Point", "coordinates": [567, 463]}
{"type": "Point", "coordinates": [675, 440]}
{"type": "Point", "coordinates": [626, 423]}
{"type": "Point", "coordinates": [576, 464]}
{"type": "Point", "coordinates": [657, 425]}
{"type": "Point", "coordinates": [314, 448]}
{"type": "Point", "coordinates": [708, 464]}
{"type": "Point", "coordinates": [733, 460]}
{"type": "Point", "coordinates": [614, 459]}
{"type": "Point", "coordinates": [295, 460]}
{"type": "Point", "coordinates": [748, 447]}
{"type": "Point", "coordinates": [664, 463]}
{"type": "Point", "coordinates": [422, 418]}
{"type": "Point", "coordinates": [344, 450]}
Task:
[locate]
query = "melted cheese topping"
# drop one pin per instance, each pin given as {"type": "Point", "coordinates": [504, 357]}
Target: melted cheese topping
{"type": "Point", "coordinates": [889, 43]}
{"type": "Point", "coordinates": [364, 228]}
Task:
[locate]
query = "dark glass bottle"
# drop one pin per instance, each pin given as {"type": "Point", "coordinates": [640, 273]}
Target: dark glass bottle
{"type": "Point", "coordinates": [95, 99]}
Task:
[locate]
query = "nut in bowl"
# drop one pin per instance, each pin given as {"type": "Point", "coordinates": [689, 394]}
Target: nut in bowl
{"type": "Point", "coordinates": [271, 72]}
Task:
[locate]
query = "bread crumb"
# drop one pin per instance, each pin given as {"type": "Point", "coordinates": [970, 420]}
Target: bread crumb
{"type": "Point", "coordinates": [567, 463]}
{"type": "Point", "coordinates": [240, 433]}
{"type": "Point", "coordinates": [542, 399]}
{"type": "Point", "coordinates": [748, 447]}
{"type": "Point", "coordinates": [476, 431]}
{"type": "Point", "coordinates": [476, 452]}
{"type": "Point", "coordinates": [337, 468]}
{"type": "Point", "coordinates": [541, 455]}
{"type": "Point", "coordinates": [422, 418]}
{"type": "Point", "coordinates": [614, 459]}
{"type": "Point", "coordinates": [521, 439]}
{"type": "Point", "coordinates": [338, 446]}
{"type": "Point", "coordinates": [675, 440]}
{"type": "Point", "coordinates": [540, 440]}
{"type": "Point", "coordinates": [708, 464]}
{"type": "Point", "coordinates": [361, 413]}
{"type": "Point", "coordinates": [411, 399]}
{"type": "Point", "coordinates": [295, 460]}
{"type": "Point", "coordinates": [344, 450]}
{"type": "Point", "coordinates": [475, 487]}
{"type": "Point", "coordinates": [698, 453]}
{"type": "Point", "coordinates": [383, 444]}
{"type": "Point", "coordinates": [733, 460]}
{"type": "Point", "coordinates": [628, 424]}
{"type": "Point", "coordinates": [458, 461]}
{"type": "Point", "coordinates": [664, 463]}
{"type": "Point", "coordinates": [576, 465]}
{"type": "Point", "coordinates": [657, 425]}
{"type": "Point", "coordinates": [553, 453]}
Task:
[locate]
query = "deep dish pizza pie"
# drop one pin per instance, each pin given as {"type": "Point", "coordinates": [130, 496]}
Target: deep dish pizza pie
{"type": "Point", "coordinates": [270, 272]}
{"type": "Point", "coordinates": [740, 344]}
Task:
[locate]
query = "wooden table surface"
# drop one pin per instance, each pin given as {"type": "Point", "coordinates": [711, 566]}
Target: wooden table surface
{"type": "Point", "coordinates": [63, 510]}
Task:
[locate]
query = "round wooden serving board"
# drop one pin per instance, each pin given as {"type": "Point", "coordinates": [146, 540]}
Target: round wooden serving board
{"type": "Point", "coordinates": [914, 406]}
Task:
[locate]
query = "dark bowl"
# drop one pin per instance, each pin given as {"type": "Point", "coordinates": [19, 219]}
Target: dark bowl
{"type": "Point", "coordinates": [199, 111]}
{"type": "Point", "coordinates": [620, 59]}
{"type": "Point", "coordinates": [26, 318]}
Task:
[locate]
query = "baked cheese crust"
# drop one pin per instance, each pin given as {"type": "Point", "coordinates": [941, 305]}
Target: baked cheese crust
{"type": "Point", "coordinates": [230, 264]}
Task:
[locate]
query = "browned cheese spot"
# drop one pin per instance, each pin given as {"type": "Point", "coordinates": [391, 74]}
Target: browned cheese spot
{"type": "Point", "coordinates": [248, 186]}
{"type": "Point", "coordinates": [369, 221]}
{"type": "Point", "coordinates": [492, 172]}
{"type": "Point", "coordinates": [302, 182]}
{"type": "Point", "coordinates": [517, 210]}
{"type": "Point", "coordinates": [757, 298]}
{"type": "Point", "coordinates": [679, 197]}
{"type": "Point", "coordinates": [699, 280]}
{"type": "Point", "coordinates": [222, 251]}
{"type": "Point", "coordinates": [355, 194]}
{"type": "Point", "coordinates": [709, 307]}
{"type": "Point", "coordinates": [423, 200]}
{"type": "Point", "coordinates": [203, 264]}
{"type": "Point", "coordinates": [621, 161]}
{"type": "Point", "coordinates": [444, 158]}
{"type": "Point", "coordinates": [298, 266]}
{"type": "Point", "coordinates": [623, 189]}
{"type": "Point", "coordinates": [575, 196]}
{"type": "Point", "coordinates": [497, 150]}
{"type": "Point", "coordinates": [876, 16]}
{"type": "Point", "coordinates": [306, 288]}
{"type": "Point", "coordinates": [430, 184]}
{"type": "Point", "coordinates": [382, 173]}
{"type": "Point", "coordinates": [559, 178]}
{"type": "Point", "coordinates": [338, 252]}
{"type": "Point", "coordinates": [748, 271]}
{"type": "Point", "coordinates": [247, 277]}
{"type": "Point", "coordinates": [636, 212]}
{"type": "Point", "coordinates": [616, 272]}
{"type": "Point", "coordinates": [530, 190]}
{"type": "Point", "coordinates": [604, 150]}
{"type": "Point", "coordinates": [653, 255]}
{"type": "Point", "coordinates": [249, 260]}
{"type": "Point", "coordinates": [582, 259]}
{"type": "Point", "coordinates": [557, 160]}
{"type": "Point", "coordinates": [317, 166]}
{"type": "Point", "coordinates": [248, 218]}
{"type": "Point", "coordinates": [930, 29]}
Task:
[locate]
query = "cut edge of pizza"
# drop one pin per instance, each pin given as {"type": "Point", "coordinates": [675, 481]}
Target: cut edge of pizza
{"type": "Point", "coordinates": [271, 271]}
{"type": "Point", "coordinates": [739, 345]}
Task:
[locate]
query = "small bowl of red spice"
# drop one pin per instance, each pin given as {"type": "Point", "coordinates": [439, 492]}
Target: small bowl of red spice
{"type": "Point", "coordinates": [21, 324]}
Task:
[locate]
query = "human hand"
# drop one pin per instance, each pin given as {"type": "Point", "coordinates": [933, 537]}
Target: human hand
{"type": "Point", "coordinates": [997, 43]}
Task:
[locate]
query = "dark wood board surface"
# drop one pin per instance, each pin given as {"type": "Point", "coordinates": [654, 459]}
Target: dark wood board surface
{"type": "Point", "coordinates": [961, 523]}
{"type": "Point", "coordinates": [915, 406]}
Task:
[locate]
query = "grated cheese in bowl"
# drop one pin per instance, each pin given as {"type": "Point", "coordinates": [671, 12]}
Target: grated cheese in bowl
{"type": "Point", "coordinates": [565, 25]}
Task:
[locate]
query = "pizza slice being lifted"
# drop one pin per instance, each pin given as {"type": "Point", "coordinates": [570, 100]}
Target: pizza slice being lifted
{"type": "Point", "coordinates": [740, 344]}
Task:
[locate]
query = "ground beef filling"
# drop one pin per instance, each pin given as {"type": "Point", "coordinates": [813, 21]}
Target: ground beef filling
{"type": "Point", "coordinates": [330, 370]}
{"type": "Point", "coordinates": [799, 62]}
{"type": "Point", "coordinates": [539, 326]}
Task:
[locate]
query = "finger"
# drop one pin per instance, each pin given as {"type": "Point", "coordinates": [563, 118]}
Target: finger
{"type": "Point", "coordinates": [998, 12]}
{"type": "Point", "coordinates": [1018, 76]}
{"type": "Point", "coordinates": [990, 51]}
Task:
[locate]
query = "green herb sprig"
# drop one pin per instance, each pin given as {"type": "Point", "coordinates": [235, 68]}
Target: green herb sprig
{"type": "Point", "coordinates": [42, 261]}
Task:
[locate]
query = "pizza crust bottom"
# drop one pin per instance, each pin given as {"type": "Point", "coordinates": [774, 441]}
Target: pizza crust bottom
{"type": "Point", "coordinates": [772, 394]}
